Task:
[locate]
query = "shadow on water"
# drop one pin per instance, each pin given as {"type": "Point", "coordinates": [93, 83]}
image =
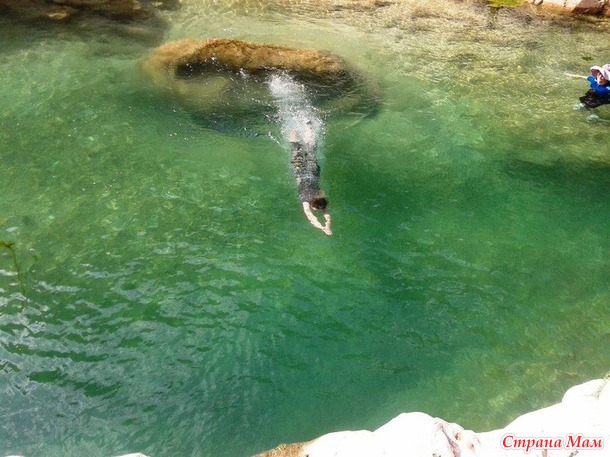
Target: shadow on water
{"type": "Point", "coordinates": [224, 82]}
{"type": "Point", "coordinates": [242, 105]}
{"type": "Point", "coordinates": [581, 182]}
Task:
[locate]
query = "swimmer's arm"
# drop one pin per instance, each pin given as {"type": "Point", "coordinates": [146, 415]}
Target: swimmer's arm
{"type": "Point", "coordinates": [572, 75]}
{"type": "Point", "coordinates": [327, 229]}
{"type": "Point", "coordinates": [603, 90]}
{"type": "Point", "coordinates": [314, 220]}
{"type": "Point", "coordinates": [311, 216]}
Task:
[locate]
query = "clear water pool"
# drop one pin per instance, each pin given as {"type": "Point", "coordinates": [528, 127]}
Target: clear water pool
{"type": "Point", "coordinates": [173, 300]}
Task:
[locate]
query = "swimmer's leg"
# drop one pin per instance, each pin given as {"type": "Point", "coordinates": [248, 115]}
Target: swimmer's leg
{"type": "Point", "coordinates": [293, 139]}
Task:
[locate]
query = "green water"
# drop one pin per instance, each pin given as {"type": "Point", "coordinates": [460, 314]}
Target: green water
{"type": "Point", "coordinates": [172, 299]}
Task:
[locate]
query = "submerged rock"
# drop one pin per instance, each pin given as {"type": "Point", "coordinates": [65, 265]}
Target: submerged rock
{"type": "Point", "coordinates": [285, 450]}
{"type": "Point", "coordinates": [224, 76]}
{"type": "Point", "coordinates": [584, 411]}
{"type": "Point", "coordinates": [64, 10]}
{"type": "Point", "coordinates": [189, 58]}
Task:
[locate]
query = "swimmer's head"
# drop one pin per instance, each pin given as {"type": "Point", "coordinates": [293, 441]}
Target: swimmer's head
{"type": "Point", "coordinates": [319, 202]}
{"type": "Point", "coordinates": [602, 74]}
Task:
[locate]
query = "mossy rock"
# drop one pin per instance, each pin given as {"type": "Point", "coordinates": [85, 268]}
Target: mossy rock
{"type": "Point", "coordinates": [187, 58]}
{"type": "Point", "coordinates": [228, 75]}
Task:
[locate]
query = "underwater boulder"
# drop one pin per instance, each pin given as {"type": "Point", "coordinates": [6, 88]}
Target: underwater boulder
{"type": "Point", "coordinates": [228, 77]}
{"type": "Point", "coordinates": [65, 10]}
{"type": "Point", "coordinates": [188, 58]}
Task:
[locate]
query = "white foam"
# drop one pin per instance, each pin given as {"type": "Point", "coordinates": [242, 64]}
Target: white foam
{"type": "Point", "coordinates": [296, 113]}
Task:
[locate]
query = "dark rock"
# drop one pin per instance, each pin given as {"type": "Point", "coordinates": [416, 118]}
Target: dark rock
{"type": "Point", "coordinates": [66, 10]}
{"type": "Point", "coordinates": [190, 58]}
{"type": "Point", "coordinates": [226, 80]}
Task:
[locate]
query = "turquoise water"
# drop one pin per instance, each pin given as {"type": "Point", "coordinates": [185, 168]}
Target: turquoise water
{"type": "Point", "coordinates": [172, 299]}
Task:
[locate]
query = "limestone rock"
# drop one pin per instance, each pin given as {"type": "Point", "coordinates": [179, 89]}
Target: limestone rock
{"type": "Point", "coordinates": [412, 434]}
{"type": "Point", "coordinates": [188, 58]}
{"type": "Point", "coordinates": [227, 75]}
{"type": "Point", "coordinates": [285, 450]}
{"type": "Point", "coordinates": [585, 410]}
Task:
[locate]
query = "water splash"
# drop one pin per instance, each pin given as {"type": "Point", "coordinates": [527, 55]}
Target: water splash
{"type": "Point", "coordinates": [296, 114]}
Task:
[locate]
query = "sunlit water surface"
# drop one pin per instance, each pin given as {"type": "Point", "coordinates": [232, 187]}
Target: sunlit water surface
{"type": "Point", "coordinates": [173, 300]}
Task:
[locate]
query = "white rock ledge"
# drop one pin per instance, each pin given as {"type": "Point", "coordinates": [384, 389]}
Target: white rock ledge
{"type": "Point", "coordinates": [579, 425]}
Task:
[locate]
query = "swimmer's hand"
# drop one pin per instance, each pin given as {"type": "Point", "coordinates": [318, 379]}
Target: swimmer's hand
{"type": "Point", "coordinates": [326, 229]}
{"type": "Point", "coordinates": [572, 75]}
{"type": "Point", "coordinates": [314, 220]}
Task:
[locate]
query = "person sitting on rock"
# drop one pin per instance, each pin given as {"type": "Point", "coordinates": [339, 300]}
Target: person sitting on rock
{"type": "Point", "coordinates": [599, 93]}
{"type": "Point", "coordinates": [306, 171]}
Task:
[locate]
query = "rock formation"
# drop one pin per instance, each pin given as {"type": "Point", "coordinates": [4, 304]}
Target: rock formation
{"type": "Point", "coordinates": [141, 10]}
{"type": "Point", "coordinates": [189, 58]}
{"type": "Point", "coordinates": [65, 10]}
{"type": "Point", "coordinates": [223, 75]}
{"type": "Point", "coordinates": [549, 432]}
{"type": "Point", "coordinates": [594, 7]}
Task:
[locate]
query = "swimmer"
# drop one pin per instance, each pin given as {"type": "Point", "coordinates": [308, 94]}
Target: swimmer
{"type": "Point", "coordinates": [599, 93]}
{"type": "Point", "coordinates": [319, 203]}
{"type": "Point", "coordinates": [306, 171]}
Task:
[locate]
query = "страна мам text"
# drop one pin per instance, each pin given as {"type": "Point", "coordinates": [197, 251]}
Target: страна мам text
{"type": "Point", "coordinates": [569, 442]}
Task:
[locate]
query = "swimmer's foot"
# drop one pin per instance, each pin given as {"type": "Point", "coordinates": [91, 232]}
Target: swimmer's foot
{"type": "Point", "coordinates": [310, 134]}
{"type": "Point", "coordinates": [293, 137]}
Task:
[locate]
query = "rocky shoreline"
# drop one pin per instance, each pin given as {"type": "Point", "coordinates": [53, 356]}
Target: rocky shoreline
{"type": "Point", "coordinates": [138, 11]}
{"type": "Point", "coordinates": [591, 7]}
{"type": "Point", "coordinates": [579, 424]}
